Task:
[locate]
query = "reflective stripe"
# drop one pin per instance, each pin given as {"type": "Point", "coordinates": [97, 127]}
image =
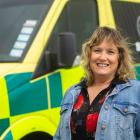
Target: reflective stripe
{"type": "Point", "coordinates": [4, 103]}
{"type": "Point", "coordinates": [8, 136]}
{"type": "Point", "coordinates": [48, 93]}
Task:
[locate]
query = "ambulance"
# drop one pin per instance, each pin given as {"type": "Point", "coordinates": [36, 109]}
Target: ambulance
{"type": "Point", "coordinates": [40, 45]}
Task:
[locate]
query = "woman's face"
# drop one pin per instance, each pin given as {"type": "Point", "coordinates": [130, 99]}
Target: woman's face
{"type": "Point", "coordinates": [104, 60]}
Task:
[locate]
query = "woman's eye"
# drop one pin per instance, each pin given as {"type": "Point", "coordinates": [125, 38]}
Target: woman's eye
{"type": "Point", "coordinates": [111, 52]}
{"type": "Point", "coordinates": [96, 50]}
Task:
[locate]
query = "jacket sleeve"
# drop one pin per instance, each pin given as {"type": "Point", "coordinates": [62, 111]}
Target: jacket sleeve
{"type": "Point", "coordinates": [57, 134]}
{"type": "Point", "coordinates": [65, 99]}
{"type": "Point", "coordinates": [138, 126]}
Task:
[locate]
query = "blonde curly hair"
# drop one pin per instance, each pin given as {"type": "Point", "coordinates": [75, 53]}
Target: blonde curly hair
{"type": "Point", "coordinates": [126, 64]}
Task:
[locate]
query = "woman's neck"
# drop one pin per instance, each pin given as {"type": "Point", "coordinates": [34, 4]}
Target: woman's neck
{"type": "Point", "coordinates": [101, 81]}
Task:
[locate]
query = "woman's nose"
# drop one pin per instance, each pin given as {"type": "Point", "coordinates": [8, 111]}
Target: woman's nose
{"type": "Point", "coordinates": [103, 56]}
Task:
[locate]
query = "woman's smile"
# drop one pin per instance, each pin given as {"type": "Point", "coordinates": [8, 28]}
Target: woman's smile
{"type": "Point", "coordinates": [102, 65]}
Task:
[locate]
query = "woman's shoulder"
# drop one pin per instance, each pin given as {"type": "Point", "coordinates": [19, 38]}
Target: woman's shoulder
{"type": "Point", "coordinates": [134, 86]}
{"type": "Point", "coordinates": [134, 82]}
{"type": "Point", "coordinates": [72, 92]}
{"type": "Point", "coordinates": [76, 87]}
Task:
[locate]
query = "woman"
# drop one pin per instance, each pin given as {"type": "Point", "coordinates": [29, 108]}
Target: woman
{"type": "Point", "coordinates": [106, 104]}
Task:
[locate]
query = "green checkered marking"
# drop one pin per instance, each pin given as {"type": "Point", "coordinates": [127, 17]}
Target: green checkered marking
{"type": "Point", "coordinates": [24, 96]}
{"type": "Point", "coordinates": [8, 136]}
{"type": "Point", "coordinates": [4, 123]}
{"type": "Point", "coordinates": [137, 68]}
{"type": "Point", "coordinates": [55, 89]}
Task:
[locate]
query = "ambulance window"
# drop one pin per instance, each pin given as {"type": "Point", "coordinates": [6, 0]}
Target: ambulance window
{"type": "Point", "coordinates": [83, 19]}
{"type": "Point", "coordinates": [127, 18]}
{"type": "Point", "coordinates": [19, 22]}
{"type": "Point", "coordinates": [79, 17]}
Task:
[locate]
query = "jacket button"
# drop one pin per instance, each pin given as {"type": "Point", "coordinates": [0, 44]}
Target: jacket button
{"type": "Point", "coordinates": [126, 110]}
{"type": "Point", "coordinates": [106, 107]}
{"type": "Point", "coordinates": [103, 126]}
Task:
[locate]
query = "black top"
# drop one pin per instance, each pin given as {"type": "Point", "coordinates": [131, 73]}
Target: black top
{"type": "Point", "coordinates": [85, 115]}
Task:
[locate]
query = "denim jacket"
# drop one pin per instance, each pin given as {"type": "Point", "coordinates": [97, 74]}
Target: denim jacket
{"type": "Point", "coordinates": [119, 117]}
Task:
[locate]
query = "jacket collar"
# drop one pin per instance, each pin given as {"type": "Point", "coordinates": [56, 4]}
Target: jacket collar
{"type": "Point", "coordinates": [119, 85]}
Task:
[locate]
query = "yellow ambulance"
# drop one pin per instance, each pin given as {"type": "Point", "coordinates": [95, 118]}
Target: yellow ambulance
{"type": "Point", "coordinates": [40, 43]}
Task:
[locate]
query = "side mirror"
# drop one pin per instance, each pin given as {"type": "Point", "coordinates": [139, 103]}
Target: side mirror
{"type": "Point", "coordinates": [66, 53]}
{"type": "Point", "coordinates": [64, 57]}
{"type": "Point", "coordinates": [66, 49]}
